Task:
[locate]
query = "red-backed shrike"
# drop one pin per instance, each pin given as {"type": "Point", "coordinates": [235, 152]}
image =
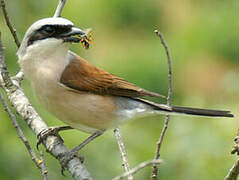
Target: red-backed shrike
{"type": "Point", "coordinates": [78, 93]}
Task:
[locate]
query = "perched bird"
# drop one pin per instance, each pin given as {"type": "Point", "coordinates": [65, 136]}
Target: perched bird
{"type": "Point", "coordinates": [78, 93]}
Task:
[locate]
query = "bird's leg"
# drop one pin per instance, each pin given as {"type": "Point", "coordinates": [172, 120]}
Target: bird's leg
{"type": "Point", "coordinates": [88, 140]}
{"type": "Point", "coordinates": [74, 152]}
{"type": "Point", "coordinates": [51, 131]}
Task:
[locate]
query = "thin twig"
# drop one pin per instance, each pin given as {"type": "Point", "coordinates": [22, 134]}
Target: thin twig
{"type": "Point", "coordinates": [167, 118]}
{"type": "Point", "coordinates": [170, 83]}
{"type": "Point", "coordinates": [123, 153]}
{"type": "Point", "coordinates": [137, 168]}
{"type": "Point", "coordinates": [234, 171]}
{"type": "Point", "coordinates": [3, 69]}
{"type": "Point", "coordinates": [10, 26]}
{"type": "Point", "coordinates": [13, 117]}
{"type": "Point", "coordinates": [44, 171]}
{"type": "Point", "coordinates": [59, 8]}
{"type": "Point", "coordinates": [19, 131]}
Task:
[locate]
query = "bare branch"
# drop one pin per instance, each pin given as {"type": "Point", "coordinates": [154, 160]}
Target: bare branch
{"type": "Point", "coordinates": [44, 172]}
{"type": "Point", "coordinates": [137, 168]}
{"type": "Point", "coordinates": [59, 8]}
{"type": "Point", "coordinates": [11, 28]}
{"type": "Point", "coordinates": [123, 153]}
{"type": "Point", "coordinates": [170, 85]}
{"type": "Point", "coordinates": [53, 144]}
{"type": "Point", "coordinates": [167, 118]}
{"type": "Point", "coordinates": [234, 171]}
{"type": "Point", "coordinates": [19, 131]}
{"type": "Point", "coordinates": [5, 78]}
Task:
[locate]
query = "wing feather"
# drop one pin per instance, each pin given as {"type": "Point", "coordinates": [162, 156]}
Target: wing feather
{"type": "Point", "coordinates": [80, 75]}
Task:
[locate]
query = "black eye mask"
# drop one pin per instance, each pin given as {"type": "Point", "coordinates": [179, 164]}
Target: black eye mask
{"type": "Point", "coordinates": [49, 31]}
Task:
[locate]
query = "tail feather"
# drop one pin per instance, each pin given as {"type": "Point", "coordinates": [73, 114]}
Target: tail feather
{"type": "Point", "coordinates": [186, 110]}
{"type": "Point", "coordinates": [201, 112]}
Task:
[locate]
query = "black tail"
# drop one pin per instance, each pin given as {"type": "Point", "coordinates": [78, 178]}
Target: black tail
{"type": "Point", "coordinates": [164, 109]}
{"type": "Point", "coordinates": [201, 112]}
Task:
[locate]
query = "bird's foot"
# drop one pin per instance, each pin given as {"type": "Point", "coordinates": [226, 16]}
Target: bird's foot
{"type": "Point", "coordinates": [50, 131]}
{"type": "Point", "coordinates": [235, 149]}
{"type": "Point", "coordinates": [74, 152]}
{"type": "Point", "coordinates": [68, 157]}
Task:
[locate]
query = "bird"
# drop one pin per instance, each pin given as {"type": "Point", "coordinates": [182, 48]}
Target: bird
{"type": "Point", "coordinates": [78, 93]}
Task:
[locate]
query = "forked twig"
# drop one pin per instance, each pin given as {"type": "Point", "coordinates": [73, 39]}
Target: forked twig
{"type": "Point", "coordinates": [167, 118]}
{"type": "Point", "coordinates": [11, 28]}
{"type": "Point", "coordinates": [123, 154]}
{"type": "Point", "coordinates": [137, 168]}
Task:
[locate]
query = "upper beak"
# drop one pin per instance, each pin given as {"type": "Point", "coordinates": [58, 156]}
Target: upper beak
{"type": "Point", "coordinates": [74, 31]}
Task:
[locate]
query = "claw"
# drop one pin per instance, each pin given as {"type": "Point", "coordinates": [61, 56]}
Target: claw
{"type": "Point", "coordinates": [74, 152]}
{"type": "Point", "coordinates": [54, 131]}
{"type": "Point", "coordinates": [69, 157]}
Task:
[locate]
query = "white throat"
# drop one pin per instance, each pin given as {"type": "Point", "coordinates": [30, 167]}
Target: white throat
{"type": "Point", "coordinates": [45, 59]}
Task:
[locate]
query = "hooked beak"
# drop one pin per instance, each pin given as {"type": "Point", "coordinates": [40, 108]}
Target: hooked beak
{"type": "Point", "coordinates": [70, 36]}
{"type": "Point", "coordinates": [75, 31]}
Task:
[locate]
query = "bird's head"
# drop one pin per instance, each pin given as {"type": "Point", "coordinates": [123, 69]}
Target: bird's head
{"type": "Point", "coordinates": [48, 34]}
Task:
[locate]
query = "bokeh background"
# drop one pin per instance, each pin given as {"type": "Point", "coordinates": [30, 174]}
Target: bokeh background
{"type": "Point", "coordinates": [203, 38]}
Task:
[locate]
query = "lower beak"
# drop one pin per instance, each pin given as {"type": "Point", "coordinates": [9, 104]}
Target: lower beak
{"type": "Point", "coordinates": [70, 36]}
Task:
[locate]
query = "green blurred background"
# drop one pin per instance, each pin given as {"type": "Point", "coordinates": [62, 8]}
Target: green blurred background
{"type": "Point", "coordinates": [203, 37]}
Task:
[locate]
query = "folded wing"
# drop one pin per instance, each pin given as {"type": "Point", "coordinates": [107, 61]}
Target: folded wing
{"type": "Point", "coordinates": [80, 75]}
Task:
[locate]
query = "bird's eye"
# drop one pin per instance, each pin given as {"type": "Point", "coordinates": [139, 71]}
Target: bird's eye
{"type": "Point", "coordinates": [49, 29]}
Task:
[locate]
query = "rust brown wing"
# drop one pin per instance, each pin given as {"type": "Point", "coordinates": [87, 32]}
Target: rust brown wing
{"type": "Point", "coordinates": [80, 75]}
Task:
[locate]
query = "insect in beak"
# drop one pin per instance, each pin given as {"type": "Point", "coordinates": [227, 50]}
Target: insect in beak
{"type": "Point", "coordinates": [86, 40]}
{"type": "Point", "coordinates": [79, 36]}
